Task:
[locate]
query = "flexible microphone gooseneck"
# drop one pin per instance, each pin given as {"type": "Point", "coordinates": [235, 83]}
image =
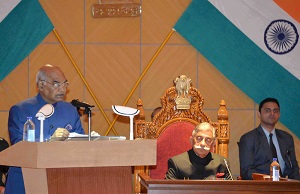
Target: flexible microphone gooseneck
{"type": "Point", "coordinates": [77, 103]}
{"type": "Point", "coordinates": [289, 158]}
{"type": "Point", "coordinates": [229, 176]}
{"type": "Point", "coordinates": [87, 111]}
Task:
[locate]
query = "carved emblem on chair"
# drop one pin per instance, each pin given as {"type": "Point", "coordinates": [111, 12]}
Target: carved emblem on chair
{"type": "Point", "coordinates": [182, 85]}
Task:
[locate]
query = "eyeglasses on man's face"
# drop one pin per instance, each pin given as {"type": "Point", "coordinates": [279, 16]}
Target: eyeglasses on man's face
{"type": "Point", "coordinates": [207, 140]}
{"type": "Point", "coordinates": [56, 84]}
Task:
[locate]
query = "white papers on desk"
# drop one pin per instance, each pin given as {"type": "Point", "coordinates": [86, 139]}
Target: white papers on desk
{"type": "Point", "coordinates": [93, 134]}
{"type": "Point", "coordinates": [94, 137]}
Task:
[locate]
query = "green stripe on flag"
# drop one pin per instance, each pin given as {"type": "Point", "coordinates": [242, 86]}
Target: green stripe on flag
{"type": "Point", "coordinates": [240, 60]}
{"type": "Point", "coordinates": [20, 32]}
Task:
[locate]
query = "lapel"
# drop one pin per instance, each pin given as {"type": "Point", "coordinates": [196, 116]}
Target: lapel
{"type": "Point", "coordinates": [282, 143]}
{"type": "Point", "coordinates": [264, 142]}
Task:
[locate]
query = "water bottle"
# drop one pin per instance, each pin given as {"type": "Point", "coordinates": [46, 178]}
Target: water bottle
{"type": "Point", "coordinates": [29, 130]}
{"type": "Point", "coordinates": [274, 170]}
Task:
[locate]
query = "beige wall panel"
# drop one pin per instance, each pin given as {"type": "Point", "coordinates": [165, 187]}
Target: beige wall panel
{"type": "Point", "coordinates": [15, 86]}
{"type": "Point", "coordinates": [3, 126]}
{"type": "Point", "coordinates": [241, 121]}
{"type": "Point", "coordinates": [113, 71]}
{"type": "Point", "coordinates": [100, 125]}
{"type": "Point", "coordinates": [111, 30]}
{"type": "Point", "coordinates": [158, 19]}
{"type": "Point", "coordinates": [67, 16]}
{"type": "Point", "coordinates": [215, 86]}
{"type": "Point", "coordinates": [171, 62]}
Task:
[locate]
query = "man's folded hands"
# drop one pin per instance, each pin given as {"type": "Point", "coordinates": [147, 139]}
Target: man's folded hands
{"type": "Point", "coordinates": [60, 134]}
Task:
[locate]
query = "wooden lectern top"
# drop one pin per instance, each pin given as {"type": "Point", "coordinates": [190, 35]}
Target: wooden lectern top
{"type": "Point", "coordinates": [62, 154]}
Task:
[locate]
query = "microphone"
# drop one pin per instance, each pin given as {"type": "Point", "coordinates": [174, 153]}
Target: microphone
{"type": "Point", "coordinates": [45, 112]}
{"type": "Point", "coordinates": [289, 158]}
{"type": "Point", "coordinates": [229, 176]}
{"type": "Point", "coordinates": [77, 103]}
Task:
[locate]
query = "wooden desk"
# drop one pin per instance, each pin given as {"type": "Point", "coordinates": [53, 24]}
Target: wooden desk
{"type": "Point", "coordinates": [218, 186]}
{"type": "Point", "coordinates": [79, 166]}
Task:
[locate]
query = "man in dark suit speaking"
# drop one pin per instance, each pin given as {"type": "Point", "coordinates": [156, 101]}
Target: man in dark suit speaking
{"type": "Point", "coordinates": [256, 150]}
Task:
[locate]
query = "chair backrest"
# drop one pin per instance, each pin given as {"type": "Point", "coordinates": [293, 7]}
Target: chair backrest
{"type": "Point", "coordinates": [173, 140]}
{"type": "Point", "coordinates": [172, 126]}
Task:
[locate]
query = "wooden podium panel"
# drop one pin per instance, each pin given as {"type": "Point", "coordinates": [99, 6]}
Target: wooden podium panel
{"type": "Point", "coordinates": [218, 186]}
{"type": "Point", "coordinates": [79, 166]}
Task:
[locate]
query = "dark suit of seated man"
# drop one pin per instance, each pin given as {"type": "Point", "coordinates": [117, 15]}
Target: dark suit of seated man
{"type": "Point", "coordinates": [198, 162]}
{"type": "Point", "coordinates": [254, 146]}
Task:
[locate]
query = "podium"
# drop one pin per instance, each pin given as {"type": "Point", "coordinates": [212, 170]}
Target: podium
{"type": "Point", "coordinates": [102, 166]}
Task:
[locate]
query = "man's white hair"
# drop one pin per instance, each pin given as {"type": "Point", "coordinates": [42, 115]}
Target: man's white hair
{"type": "Point", "coordinates": [204, 127]}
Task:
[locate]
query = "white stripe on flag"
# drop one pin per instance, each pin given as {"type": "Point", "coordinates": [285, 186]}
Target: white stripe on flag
{"type": "Point", "coordinates": [21, 31]}
{"type": "Point", "coordinates": [245, 14]}
{"type": "Point", "coordinates": [6, 6]}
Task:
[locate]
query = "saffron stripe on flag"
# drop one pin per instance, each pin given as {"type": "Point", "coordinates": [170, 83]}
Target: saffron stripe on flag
{"type": "Point", "coordinates": [291, 7]}
{"type": "Point", "coordinates": [240, 60]}
{"type": "Point", "coordinates": [21, 31]}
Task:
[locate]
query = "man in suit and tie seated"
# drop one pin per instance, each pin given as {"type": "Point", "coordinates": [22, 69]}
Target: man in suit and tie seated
{"type": "Point", "coordinates": [258, 147]}
{"type": "Point", "coordinates": [199, 162]}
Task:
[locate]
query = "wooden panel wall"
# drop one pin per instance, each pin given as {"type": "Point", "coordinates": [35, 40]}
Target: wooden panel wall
{"type": "Point", "coordinates": [112, 52]}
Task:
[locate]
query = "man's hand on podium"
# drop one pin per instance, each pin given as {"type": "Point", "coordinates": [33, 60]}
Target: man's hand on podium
{"type": "Point", "coordinates": [60, 134]}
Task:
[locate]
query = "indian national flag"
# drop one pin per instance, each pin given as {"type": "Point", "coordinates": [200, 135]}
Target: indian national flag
{"type": "Point", "coordinates": [254, 43]}
{"type": "Point", "coordinates": [23, 25]}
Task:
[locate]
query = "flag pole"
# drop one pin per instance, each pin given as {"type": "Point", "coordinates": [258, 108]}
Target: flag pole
{"type": "Point", "coordinates": [83, 79]}
{"type": "Point", "coordinates": [142, 75]}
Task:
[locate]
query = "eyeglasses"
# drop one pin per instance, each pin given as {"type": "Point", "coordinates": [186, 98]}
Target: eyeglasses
{"type": "Point", "coordinates": [55, 85]}
{"type": "Point", "coordinates": [208, 140]}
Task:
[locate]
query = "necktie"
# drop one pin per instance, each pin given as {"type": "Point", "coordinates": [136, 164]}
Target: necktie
{"type": "Point", "coordinates": [272, 147]}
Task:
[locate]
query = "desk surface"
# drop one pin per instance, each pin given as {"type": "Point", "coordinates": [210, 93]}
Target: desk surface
{"type": "Point", "coordinates": [69, 154]}
{"type": "Point", "coordinates": [218, 186]}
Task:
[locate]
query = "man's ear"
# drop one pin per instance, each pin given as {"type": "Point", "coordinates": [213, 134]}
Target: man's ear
{"type": "Point", "coordinates": [191, 141]}
{"type": "Point", "coordinates": [41, 85]}
{"type": "Point", "coordinates": [258, 114]}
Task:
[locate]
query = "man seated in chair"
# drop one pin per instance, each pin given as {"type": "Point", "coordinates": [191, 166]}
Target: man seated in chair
{"type": "Point", "coordinates": [198, 162]}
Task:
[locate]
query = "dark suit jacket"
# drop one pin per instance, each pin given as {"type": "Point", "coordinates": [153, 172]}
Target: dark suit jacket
{"type": "Point", "coordinates": [190, 166]}
{"type": "Point", "coordinates": [255, 154]}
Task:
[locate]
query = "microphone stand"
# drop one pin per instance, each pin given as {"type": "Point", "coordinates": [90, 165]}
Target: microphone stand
{"type": "Point", "coordinates": [41, 119]}
{"type": "Point", "coordinates": [89, 113]}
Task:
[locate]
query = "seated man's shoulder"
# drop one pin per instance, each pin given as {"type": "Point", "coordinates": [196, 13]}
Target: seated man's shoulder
{"type": "Point", "coordinates": [218, 157]}
{"type": "Point", "coordinates": [250, 134]}
{"type": "Point", "coordinates": [180, 156]}
{"type": "Point", "coordinates": [283, 133]}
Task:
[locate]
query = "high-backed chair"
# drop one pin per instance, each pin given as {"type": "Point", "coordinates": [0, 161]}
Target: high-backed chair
{"type": "Point", "coordinates": [172, 126]}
